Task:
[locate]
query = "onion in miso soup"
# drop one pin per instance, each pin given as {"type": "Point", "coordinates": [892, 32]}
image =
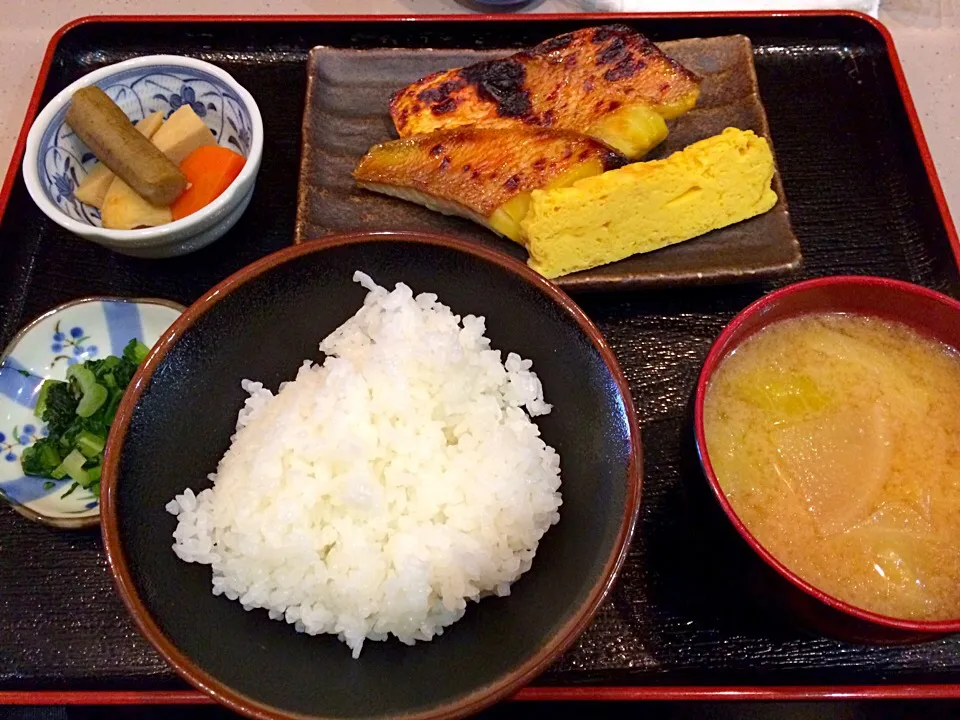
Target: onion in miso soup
{"type": "Point", "coordinates": [836, 439]}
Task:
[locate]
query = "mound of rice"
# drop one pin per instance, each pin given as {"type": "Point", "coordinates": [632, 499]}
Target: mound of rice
{"type": "Point", "coordinates": [377, 493]}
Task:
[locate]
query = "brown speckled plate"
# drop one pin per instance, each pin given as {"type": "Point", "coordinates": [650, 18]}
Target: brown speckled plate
{"type": "Point", "coordinates": [346, 112]}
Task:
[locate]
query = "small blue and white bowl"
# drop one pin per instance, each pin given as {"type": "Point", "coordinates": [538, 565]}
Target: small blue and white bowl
{"type": "Point", "coordinates": [78, 331]}
{"type": "Point", "coordinates": [56, 160]}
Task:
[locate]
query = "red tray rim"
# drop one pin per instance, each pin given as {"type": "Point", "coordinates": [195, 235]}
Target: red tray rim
{"type": "Point", "coordinates": [582, 693]}
{"type": "Point", "coordinates": [534, 693]}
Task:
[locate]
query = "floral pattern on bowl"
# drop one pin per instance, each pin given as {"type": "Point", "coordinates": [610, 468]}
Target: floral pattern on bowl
{"type": "Point", "coordinates": [64, 160]}
{"type": "Point", "coordinates": [72, 333]}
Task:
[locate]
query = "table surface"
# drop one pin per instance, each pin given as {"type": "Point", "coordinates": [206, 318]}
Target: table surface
{"type": "Point", "coordinates": [926, 32]}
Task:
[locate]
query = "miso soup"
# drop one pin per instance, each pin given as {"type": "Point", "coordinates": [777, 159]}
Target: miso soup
{"type": "Point", "coordinates": [836, 439]}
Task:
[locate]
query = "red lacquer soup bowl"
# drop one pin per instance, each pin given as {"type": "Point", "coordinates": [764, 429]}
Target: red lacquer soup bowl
{"type": "Point", "coordinates": [932, 314]}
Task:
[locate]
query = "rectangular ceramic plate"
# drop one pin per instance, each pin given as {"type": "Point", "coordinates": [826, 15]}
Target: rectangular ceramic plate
{"type": "Point", "coordinates": [346, 112]}
{"type": "Point", "coordinates": [863, 197]}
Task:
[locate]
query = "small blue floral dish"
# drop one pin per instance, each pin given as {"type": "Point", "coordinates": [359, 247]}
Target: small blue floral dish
{"type": "Point", "coordinates": [56, 160]}
{"type": "Point", "coordinates": [78, 331]}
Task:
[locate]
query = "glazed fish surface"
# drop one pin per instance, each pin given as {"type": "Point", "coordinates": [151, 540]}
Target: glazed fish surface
{"type": "Point", "coordinates": [610, 82]}
{"type": "Point", "coordinates": [481, 173]}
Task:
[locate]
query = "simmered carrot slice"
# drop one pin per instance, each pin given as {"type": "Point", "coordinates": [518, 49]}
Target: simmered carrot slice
{"type": "Point", "coordinates": [210, 170]}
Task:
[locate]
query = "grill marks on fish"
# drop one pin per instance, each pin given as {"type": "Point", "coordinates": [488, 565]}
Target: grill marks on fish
{"type": "Point", "coordinates": [480, 168]}
{"type": "Point", "coordinates": [615, 51]}
{"type": "Point", "coordinates": [444, 106]}
{"type": "Point", "coordinates": [549, 46]}
{"type": "Point", "coordinates": [565, 82]}
{"type": "Point", "coordinates": [501, 82]}
{"type": "Point", "coordinates": [441, 92]}
{"type": "Point", "coordinates": [625, 63]}
{"type": "Point", "coordinates": [602, 34]}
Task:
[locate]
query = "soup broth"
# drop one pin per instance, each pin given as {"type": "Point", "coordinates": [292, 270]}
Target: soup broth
{"type": "Point", "coordinates": [836, 438]}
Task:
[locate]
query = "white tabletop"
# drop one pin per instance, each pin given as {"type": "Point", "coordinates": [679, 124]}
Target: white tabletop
{"type": "Point", "coordinates": [926, 33]}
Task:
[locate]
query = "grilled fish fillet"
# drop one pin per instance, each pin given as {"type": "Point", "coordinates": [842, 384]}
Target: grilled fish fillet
{"type": "Point", "coordinates": [484, 174]}
{"type": "Point", "coordinates": [597, 81]}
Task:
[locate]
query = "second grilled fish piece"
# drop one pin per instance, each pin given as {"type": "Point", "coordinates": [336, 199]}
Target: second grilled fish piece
{"type": "Point", "coordinates": [608, 82]}
{"type": "Point", "coordinates": [484, 174]}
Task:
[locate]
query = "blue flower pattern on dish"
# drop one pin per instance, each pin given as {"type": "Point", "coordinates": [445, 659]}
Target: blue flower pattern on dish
{"type": "Point", "coordinates": [7, 447]}
{"type": "Point", "coordinates": [20, 437]}
{"type": "Point", "coordinates": [73, 344]}
{"type": "Point", "coordinates": [63, 160]}
{"type": "Point", "coordinates": [66, 182]}
{"type": "Point", "coordinates": [240, 138]}
{"type": "Point", "coordinates": [71, 334]}
{"type": "Point", "coordinates": [187, 96]}
{"type": "Point", "coordinates": [11, 446]}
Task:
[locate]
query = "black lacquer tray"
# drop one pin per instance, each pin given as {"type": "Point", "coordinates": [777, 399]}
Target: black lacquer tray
{"type": "Point", "coordinates": [863, 198]}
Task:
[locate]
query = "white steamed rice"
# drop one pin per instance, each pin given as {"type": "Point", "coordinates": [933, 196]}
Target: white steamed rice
{"type": "Point", "coordinates": [377, 493]}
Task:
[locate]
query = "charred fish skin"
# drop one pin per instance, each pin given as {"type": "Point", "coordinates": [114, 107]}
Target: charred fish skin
{"type": "Point", "coordinates": [571, 81]}
{"type": "Point", "coordinates": [482, 173]}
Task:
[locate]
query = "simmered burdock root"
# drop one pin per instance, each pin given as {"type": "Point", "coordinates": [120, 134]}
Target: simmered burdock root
{"type": "Point", "coordinates": [484, 174]}
{"type": "Point", "coordinates": [610, 82]}
{"type": "Point", "coordinates": [108, 132]}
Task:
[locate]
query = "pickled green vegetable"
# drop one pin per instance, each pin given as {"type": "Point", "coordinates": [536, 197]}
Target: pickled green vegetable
{"type": "Point", "coordinates": [78, 414]}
